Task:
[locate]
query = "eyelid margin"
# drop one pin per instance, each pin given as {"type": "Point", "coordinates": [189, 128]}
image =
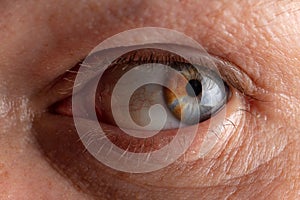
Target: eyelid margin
{"type": "Point", "coordinates": [229, 72]}
{"type": "Point", "coordinates": [233, 75]}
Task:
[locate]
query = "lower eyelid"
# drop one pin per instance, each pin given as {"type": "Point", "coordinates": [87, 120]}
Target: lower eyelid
{"type": "Point", "coordinates": [219, 132]}
{"type": "Point", "coordinates": [58, 138]}
{"type": "Point", "coordinates": [212, 134]}
{"type": "Point", "coordinates": [61, 150]}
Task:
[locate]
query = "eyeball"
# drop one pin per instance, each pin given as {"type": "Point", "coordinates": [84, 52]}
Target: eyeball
{"type": "Point", "coordinates": [189, 87]}
{"type": "Point", "coordinates": [201, 89]}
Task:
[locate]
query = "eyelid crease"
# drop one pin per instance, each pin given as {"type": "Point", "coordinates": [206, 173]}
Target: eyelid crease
{"type": "Point", "coordinates": [235, 77]}
{"type": "Point", "coordinates": [229, 72]}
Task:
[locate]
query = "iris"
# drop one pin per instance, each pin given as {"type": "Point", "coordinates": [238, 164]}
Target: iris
{"type": "Point", "coordinates": [203, 90]}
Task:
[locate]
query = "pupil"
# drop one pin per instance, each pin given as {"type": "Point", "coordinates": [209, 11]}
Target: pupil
{"type": "Point", "coordinates": [193, 88]}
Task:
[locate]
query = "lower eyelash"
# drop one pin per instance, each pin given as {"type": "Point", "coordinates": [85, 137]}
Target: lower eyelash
{"type": "Point", "coordinates": [144, 144]}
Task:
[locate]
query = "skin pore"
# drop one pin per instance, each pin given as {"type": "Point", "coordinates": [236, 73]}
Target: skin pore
{"type": "Point", "coordinates": [40, 41]}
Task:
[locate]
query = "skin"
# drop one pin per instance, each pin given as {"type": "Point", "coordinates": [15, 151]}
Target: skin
{"type": "Point", "coordinates": [40, 41]}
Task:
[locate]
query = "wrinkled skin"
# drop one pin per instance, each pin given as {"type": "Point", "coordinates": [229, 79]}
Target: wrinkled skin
{"type": "Point", "coordinates": [40, 40]}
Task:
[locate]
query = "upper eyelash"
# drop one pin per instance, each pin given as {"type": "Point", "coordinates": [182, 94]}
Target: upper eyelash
{"type": "Point", "coordinates": [229, 72]}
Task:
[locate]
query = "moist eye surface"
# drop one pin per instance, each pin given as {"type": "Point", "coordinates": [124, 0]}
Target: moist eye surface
{"type": "Point", "coordinates": [198, 88]}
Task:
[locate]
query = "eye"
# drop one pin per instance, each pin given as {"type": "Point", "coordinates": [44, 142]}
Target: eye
{"type": "Point", "coordinates": [139, 108]}
{"type": "Point", "coordinates": [191, 98]}
{"type": "Point", "coordinates": [187, 94]}
{"type": "Point", "coordinates": [204, 91]}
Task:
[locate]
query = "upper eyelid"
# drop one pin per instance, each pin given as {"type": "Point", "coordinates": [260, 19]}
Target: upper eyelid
{"type": "Point", "coordinates": [229, 72]}
{"type": "Point", "coordinates": [236, 77]}
{"type": "Point", "coordinates": [232, 74]}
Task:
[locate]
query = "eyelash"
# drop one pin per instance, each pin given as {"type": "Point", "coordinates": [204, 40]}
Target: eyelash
{"type": "Point", "coordinates": [229, 72]}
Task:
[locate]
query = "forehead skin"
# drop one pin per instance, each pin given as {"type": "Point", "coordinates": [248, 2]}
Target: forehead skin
{"type": "Point", "coordinates": [41, 39]}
